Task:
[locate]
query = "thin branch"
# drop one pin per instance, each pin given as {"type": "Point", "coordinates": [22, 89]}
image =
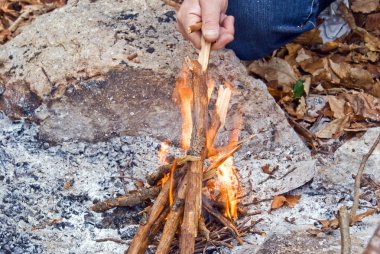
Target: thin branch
{"type": "Point", "coordinates": [359, 177]}
{"type": "Point", "coordinates": [373, 245]}
{"type": "Point", "coordinates": [344, 223]}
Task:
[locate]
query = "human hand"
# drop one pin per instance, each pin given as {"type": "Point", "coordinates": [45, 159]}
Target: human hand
{"type": "Point", "coordinates": [217, 27]}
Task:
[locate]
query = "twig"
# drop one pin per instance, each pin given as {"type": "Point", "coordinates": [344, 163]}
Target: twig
{"type": "Point", "coordinates": [175, 4]}
{"type": "Point", "coordinates": [194, 28]}
{"type": "Point", "coordinates": [373, 245]}
{"type": "Point", "coordinates": [131, 199]}
{"type": "Point", "coordinates": [165, 169]}
{"type": "Point", "coordinates": [359, 177]}
{"type": "Point", "coordinates": [344, 223]}
{"type": "Point", "coordinates": [204, 54]}
{"type": "Point", "coordinates": [111, 239]}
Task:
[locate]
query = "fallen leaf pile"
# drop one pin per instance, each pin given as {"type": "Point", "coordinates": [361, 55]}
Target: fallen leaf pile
{"type": "Point", "coordinates": [343, 75]}
{"type": "Point", "coordinates": [14, 14]}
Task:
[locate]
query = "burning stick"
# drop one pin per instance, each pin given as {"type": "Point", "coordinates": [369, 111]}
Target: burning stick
{"type": "Point", "coordinates": [143, 231]}
{"type": "Point", "coordinates": [173, 219]}
{"type": "Point", "coordinates": [222, 220]}
{"type": "Point", "coordinates": [193, 203]}
{"type": "Point", "coordinates": [165, 169]}
{"type": "Point", "coordinates": [133, 198]}
{"type": "Point", "coordinates": [194, 97]}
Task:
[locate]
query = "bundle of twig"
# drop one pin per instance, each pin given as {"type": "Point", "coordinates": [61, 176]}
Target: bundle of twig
{"type": "Point", "coordinates": [181, 205]}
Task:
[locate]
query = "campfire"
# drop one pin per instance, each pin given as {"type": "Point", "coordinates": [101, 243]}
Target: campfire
{"type": "Point", "coordinates": [197, 195]}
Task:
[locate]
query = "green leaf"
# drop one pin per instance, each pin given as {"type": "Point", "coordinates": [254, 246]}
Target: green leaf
{"type": "Point", "coordinates": [298, 89]}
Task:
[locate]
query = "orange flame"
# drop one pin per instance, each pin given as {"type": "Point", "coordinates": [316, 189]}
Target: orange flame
{"type": "Point", "coordinates": [163, 151]}
{"type": "Point", "coordinates": [184, 98]}
{"type": "Point", "coordinates": [228, 184]}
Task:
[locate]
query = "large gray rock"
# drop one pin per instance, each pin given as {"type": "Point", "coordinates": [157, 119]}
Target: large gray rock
{"type": "Point", "coordinates": [347, 160]}
{"type": "Point", "coordinates": [75, 61]}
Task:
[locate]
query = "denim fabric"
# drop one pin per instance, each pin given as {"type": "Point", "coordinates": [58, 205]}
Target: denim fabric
{"type": "Point", "coordinates": [262, 26]}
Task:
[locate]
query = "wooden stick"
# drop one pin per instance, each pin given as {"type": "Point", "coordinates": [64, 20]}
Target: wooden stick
{"type": "Point", "coordinates": [344, 223]}
{"type": "Point", "coordinates": [211, 171]}
{"type": "Point", "coordinates": [173, 219]}
{"type": "Point", "coordinates": [193, 205]}
{"type": "Point", "coordinates": [194, 28]}
{"type": "Point", "coordinates": [204, 54]}
{"type": "Point", "coordinates": [143, 231]}
{"type": "Point", "coordinates": [175, 4]}
{"type": "Point", "coordinates": [219, 114]}
{"type": "Point", "coordinates": [165, 169]}
{"type": "Point", "coordinates": [235, 233]}
{"type": "Point", "coordinates": [203, 229]}
{"type": "Point", "coordinates": [157, 225]}
{"type": "Point", "coordinates": [358, 178]}
{"type": "Point", "coordinates": [373, 245]}
{"type": "Point", "coordinates": [132, 199]}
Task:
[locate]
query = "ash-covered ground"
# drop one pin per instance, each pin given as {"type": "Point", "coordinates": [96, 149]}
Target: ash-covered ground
{"type": "Point", "coordinates": [47, 190]}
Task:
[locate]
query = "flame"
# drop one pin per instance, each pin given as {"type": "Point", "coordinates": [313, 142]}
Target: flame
{"type": "Point", "coordinates": [184, 98]}
{"type": "Point", "coordinates": [164, 179]}
{"type": "Point", "coordinates": [163, 151]}
{"type": "Point", "coordinates": [228, 184]}
{"type": "Point", "coordinates": [225, 186]}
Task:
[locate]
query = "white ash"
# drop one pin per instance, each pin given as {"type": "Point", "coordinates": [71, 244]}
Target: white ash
{"type": "Point", "coordinates": [38, 215]}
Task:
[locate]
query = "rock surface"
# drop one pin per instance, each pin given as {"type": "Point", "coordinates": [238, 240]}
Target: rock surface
{"type": "Point", "coordinates": [347, 160]}
{"type": "Point", "coordinates": [88, 90]}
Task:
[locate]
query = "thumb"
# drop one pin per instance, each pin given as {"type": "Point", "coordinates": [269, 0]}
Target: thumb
{"type": "Point", "coordinates": [210, 19]}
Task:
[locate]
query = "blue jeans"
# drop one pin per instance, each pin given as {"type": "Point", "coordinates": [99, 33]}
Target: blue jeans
{"type": "Point", "coordinates": [262, 26]}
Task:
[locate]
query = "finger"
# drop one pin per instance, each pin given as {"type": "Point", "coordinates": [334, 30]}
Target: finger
{"type": "Point", "coordinates": [195, 38]}
{"type": "Point", "coordinates": [210, 20]}
{"type": "Point", "coordinates": [222, 41]}
{"type": "Point", "coordinates": [228, 25]}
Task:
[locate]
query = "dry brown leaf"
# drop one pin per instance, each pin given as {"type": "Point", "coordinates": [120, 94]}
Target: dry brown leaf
{"type": "Point", "coordinates": [313, 231]}
{"type": "Point", "coordinates": [364, 6]}
{"type": "Point", "coordinates": [275, 71]}
{"type": "Point", "coordinates": [67, 185]}
{"type": "Point", "coordinates": [361, 216]}
{"type": "Point", "coordinates": [360, 57]}
{"type": "Point", "coordinates": [371, 42]}
{"type": "Point", "coordinates": [363, 105]}
{"type": "Point", "coordinates": [309, 38]}
{"type": "Point", "coordinates": [306, 84]}
{"type": "Point", "coordinates": [318, 67]}
{"type": "Point", "coordinates": [334, 223]}
{"type": "Point", "coordinates": [292, 53]}
{"type": "Point", "coordinates": [375, 91]}
{"type": "Point", "coordinates": [329, 224]}
{"type": "Point", "coordinates": [372, 24]}
{"type": "Point", "coordinates": [336, 106]}
{"type": "Point", "coordinates": [334, 129]}
{"type": "Point", "coordinates": [266, 169]}
{"type": "Point", "coordinates": [301, 108]}
{"type": "Point", "coordinates": [288, 200]}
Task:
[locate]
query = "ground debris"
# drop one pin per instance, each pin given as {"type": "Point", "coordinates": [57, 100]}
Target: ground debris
{"type": "Point", "coordinates": [15, 14]}
{"type": "Point", "coordinates": [344, 73]}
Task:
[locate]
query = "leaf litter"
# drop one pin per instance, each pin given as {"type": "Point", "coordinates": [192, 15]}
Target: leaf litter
{"type": "Point", "coordinates": [344, 73]}
{"type": "Point", "coordinates": [14, 14]}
